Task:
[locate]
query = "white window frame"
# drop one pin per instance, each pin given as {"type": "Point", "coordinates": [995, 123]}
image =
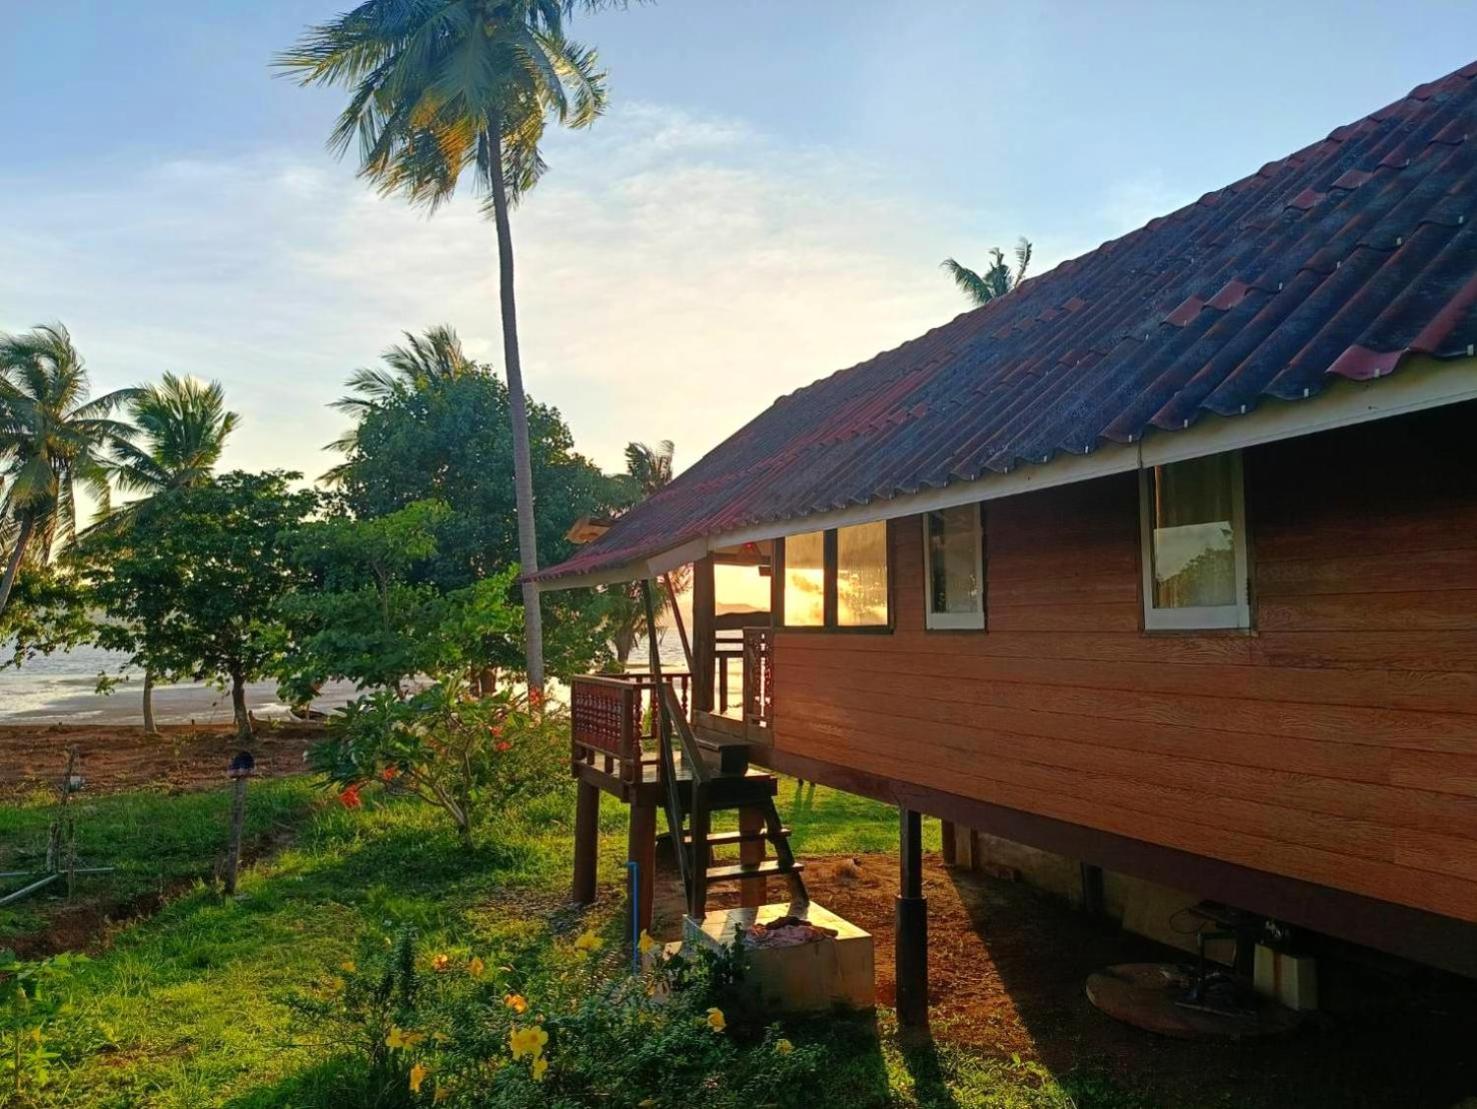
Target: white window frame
{"type": "Point", "coordinates": [1235, 616]}
{"type": "Point", "coordinates": [954, 621]}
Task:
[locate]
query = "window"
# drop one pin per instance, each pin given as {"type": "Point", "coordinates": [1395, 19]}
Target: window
{"type": "Point", "coordinates": [805, 584]}
{"type": "Point", "coordinates": [837, 579]}
{"type": "Point", "coordinates": [953, 561]}
{"type": "Point", "coordinates": [1194, 540]}
{"type": "Point", "coordinates": [861, 575]}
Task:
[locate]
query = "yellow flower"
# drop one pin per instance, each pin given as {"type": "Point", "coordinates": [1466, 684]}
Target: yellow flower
{"type": "Point", "coordinates": [588, 941]}
{"type": "Point", "coordinates": [716, 1021]}
{"type": "Point", "coordinates": [527, 1041]}
{"type": "Point", "coordinates": [347, 966]}
{"type": "Point", "coordinates": [517, 1002]}
{"type": "Point", "coordinates": [399, 1038]}
{"type": "Point", "coordinates": [441, 1094]}
{"type": "Point", "coordinates": [540, 1065]}
{"type": "Point", "coordinates": [476, 967]}
{"type": "Point", "coordinates": [417, 1076]}
{"type": "Point", "coordinates": [440, 963]}
{"type": "Point", "coordinates": [646, 944]}
{"type": "Point", "coordinates": [784, 1047]}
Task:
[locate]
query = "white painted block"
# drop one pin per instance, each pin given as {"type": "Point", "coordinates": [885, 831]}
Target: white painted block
{"type": "Point", "coordinates": [809, 977]}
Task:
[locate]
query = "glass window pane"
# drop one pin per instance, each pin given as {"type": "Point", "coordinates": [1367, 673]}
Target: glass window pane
{"type": "Point", "coordinates": [861, 575]}
{"type": "Point", "coordinates": [954, 560]}
{"type": "Point", "coordinates": [805, 585]}
{"type": "Point", "coordinates": [1194, 548]}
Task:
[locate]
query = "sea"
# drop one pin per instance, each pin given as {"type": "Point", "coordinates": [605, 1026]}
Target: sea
{"type": "Point", "coordinates": [62, 688]}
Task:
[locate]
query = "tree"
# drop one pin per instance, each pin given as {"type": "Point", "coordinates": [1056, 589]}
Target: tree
{"type": "Point", "coordinates": [191, 588]}
{"type": "Point", "coordinates": [441, 87]}
{"type": "Point", "coordinates": [51, 438]}
{"type": "Point", "coordinates": [997, 280]}
{"type": "Point", "coordinates": [357, 615]}
{"type": "Point", "coordinates": [445, 436]}
{"type": "Point", "coordinates": [184, 425]}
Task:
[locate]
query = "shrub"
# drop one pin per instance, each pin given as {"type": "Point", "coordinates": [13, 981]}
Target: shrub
{"type": "Point", "coordinates": [28, 1004]}
{"type": "Point", "coordinates": [465, 755]}
{"type": "Point", "coordinates": [564, 1027]}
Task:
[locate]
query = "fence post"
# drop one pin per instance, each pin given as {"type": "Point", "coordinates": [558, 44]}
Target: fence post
{"type": "Point", "coordinates": [238, 772]}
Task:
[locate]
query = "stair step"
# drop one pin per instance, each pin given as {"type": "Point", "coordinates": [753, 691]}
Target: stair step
{"type": "Point", "coordinates": [724, 839]}
{"type": "Point", "coordinates": [739, 871]}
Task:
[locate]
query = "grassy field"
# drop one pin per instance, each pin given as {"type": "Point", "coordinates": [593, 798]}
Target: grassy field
{"type": "Point", "coordinates": [189, 1006]}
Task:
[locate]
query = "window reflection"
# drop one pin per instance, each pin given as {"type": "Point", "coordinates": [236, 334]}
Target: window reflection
{"type": "Point", "coordinates": [805, 580]}
{"type": "Point", "coordinates": [861, 575]}
{"type": "Point", "coordinates": [1194, 541]}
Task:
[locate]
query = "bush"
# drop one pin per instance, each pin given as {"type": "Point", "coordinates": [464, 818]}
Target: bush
{"type": "Point", "coordinates": [465, 755]}
{"type": "Point", "coordinates": [559, 1028]}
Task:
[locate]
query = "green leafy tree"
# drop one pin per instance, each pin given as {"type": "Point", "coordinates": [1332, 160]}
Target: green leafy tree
{"type": "Point", "coordinates": [183, 424]}
{"type": "Point", "coordinates": [995, 281]}
{"type": "Point", "coordinates": [434, 426]}
{"type": "Point", "coordinates": [440, 88]}
{"type": "Point", "coordinates": [191, 589]}
{"type": "Point", "coordinates": [52, 437]}
{"type": "Point", "coordinates": [358, 615]}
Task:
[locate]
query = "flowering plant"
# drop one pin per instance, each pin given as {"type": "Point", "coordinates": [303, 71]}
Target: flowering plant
{"type": "Point", "coordinates": [458, 752]}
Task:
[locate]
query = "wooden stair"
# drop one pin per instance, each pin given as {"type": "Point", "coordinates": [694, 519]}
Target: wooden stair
{"type": "Point", "coordinates": [721, 780]}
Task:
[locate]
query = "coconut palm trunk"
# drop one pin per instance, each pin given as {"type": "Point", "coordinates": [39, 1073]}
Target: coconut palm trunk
{"type": "Point", "coordinates": [13, 565]}
{"type": "Point", "coordinates": [533, 627]}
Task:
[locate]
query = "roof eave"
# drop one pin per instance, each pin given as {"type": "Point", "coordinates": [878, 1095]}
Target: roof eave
{"type": "Point", "coordinates": [1422, 382]}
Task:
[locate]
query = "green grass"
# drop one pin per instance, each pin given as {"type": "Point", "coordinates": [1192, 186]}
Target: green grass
{"type": "Point", "coordinates": [188, 1008]}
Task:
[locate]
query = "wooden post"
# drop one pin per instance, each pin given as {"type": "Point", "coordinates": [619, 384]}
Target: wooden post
{"type": "Point", "coordinates": [699, 820]}
{"type": "Point", "coordinates": [641, 849]}
{"type": "Point", "coordinates": [946, 835]}
{"type": "Point", "coordinates": [586, 841]}
{"type": "Point", "coordinates": [239, 771]}
{"type": "Point", "coordinates": [704, 612]}
{"type": "Point", "coordinates": [752, 891]}
{"type": "Point", "coordinates": [910, 944]}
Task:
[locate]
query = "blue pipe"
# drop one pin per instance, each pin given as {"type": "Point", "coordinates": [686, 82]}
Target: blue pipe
{"type": "Point", "coordinates": [633, 876]}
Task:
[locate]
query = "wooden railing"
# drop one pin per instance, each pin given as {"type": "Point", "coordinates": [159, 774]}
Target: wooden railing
{"type": "Point", "coordinates": [758, 677]}
{"type": "Point", "coordinates": [613, 721]}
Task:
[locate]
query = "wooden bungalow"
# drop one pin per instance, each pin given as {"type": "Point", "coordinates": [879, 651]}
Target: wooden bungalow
{"type": "Point", "coordinates": [1165, 563]}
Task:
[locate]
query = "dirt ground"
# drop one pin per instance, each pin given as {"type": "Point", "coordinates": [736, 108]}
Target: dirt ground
{"type": "Point", "coordinates": [1007, 968]}
{"type": "Point", "coordinates": [114, 758]}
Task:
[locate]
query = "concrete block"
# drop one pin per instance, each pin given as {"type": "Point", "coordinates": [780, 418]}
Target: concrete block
{"type": "Point", "coordinates": [807, 978]}
{"type": "Point", "coordinates": [1290, 979]}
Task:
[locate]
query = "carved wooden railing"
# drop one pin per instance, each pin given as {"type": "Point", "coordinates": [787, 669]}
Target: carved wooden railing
{"type": "Point", "coordinates": [613, 721]}
{"type": "Point", "coordinates": [758, 677]}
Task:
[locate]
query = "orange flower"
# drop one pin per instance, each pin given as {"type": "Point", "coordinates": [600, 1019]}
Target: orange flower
{"type": "Point", "coordinates": [417, 1076]}
{"type": "Point", "coordinates": [517, 1002]}
{"type": "Point", "coordinates": [440, 963]}
{"type": "Point", "coordinates": [349, 798]}
{"type": "Point", "coordinates": [389, 774]}
{"type": "Point", "coordinates": [504, 746]}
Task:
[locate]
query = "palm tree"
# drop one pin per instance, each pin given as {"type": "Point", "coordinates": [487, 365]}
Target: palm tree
{"type": "Point", "coordinates": [439, 87]}
{"type": "Point", "coordinates": [997, 280]}
{"type": "Point", "coordinates": [184, 424]}
{"type": "Point", "coordinates": [51, 438]}
{"type": "Point", "coordinates": [421, 363]}
{"type": "Point", "coordinates": [650, 471]}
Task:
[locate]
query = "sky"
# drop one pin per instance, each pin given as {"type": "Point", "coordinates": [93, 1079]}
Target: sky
{"type": "Point", "coordinates": [766, 201]}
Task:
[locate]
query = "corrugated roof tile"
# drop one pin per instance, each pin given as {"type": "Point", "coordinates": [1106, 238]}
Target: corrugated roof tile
{"type": "Point", "coordinates": [1340, 260]}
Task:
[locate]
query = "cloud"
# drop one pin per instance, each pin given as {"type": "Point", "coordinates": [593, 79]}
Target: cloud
{"type": "Point", "coordinates": [675, 274]}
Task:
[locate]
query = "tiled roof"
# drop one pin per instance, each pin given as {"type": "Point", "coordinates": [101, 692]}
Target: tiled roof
{"type": "Point", "coordinates": [1338, 260]}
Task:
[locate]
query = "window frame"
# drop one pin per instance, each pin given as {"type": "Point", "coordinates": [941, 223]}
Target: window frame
{"type": "Point", "coordinates": [1231, 617]}
{"type": "Point", "coordinates": [956, 621]}
{"type": "Point", "coordinates": [829, 624]}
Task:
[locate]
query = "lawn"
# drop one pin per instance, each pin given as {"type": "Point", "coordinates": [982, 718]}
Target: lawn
{"type": "Point", "coordinates": [189, 1007]}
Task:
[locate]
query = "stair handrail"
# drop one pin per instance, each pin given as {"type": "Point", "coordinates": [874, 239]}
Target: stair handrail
{"type": "Point", "coordinates": [690, 751]}
{"type": "Point", "coordinates": [664, 742]}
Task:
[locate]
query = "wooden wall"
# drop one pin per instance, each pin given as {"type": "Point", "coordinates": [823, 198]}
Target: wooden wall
{"type": "Point", "coordinates": [1336, 743]}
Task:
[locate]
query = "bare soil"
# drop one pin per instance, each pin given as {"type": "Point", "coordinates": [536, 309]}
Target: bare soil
{"type": "Point", "coordinates": [1007, 969]}
{"type": "Point", "coordinates": [116, 758]}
